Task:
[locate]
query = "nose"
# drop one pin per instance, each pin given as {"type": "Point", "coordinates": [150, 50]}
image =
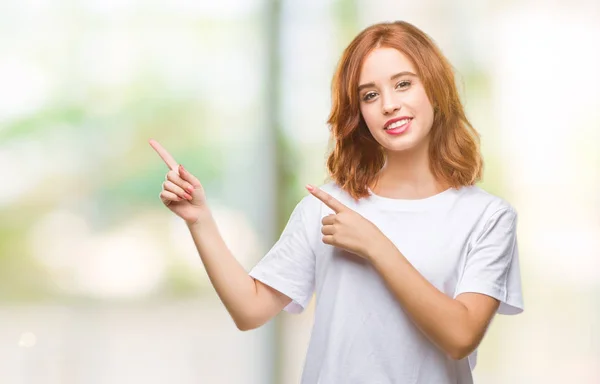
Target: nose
{"type": "Point", "coordinates": [389, 104]}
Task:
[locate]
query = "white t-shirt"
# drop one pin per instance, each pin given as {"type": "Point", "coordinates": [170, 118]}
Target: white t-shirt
{"type": "Point", "coordinates": [460, 240]}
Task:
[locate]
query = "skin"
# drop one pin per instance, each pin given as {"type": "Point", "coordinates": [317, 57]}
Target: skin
{"type": "Point", "coordinates": [182, 192]}
{"type": "Point", "coordinates": [384, 96]}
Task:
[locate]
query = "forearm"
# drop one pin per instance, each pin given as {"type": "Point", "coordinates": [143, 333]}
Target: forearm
{"type": "Point", "coordinates": [235, 288]}
{"type": "Point", "coordinates": [441, 318]}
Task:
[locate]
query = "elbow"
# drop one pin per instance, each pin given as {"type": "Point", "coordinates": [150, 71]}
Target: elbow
{"type": "Point", "coordinates": [244, 319]}
{"type": "Point", "coordinates": [459, 353]}
{"type": "Point", "coordinates": [245, 325]}
{"type": "Point", "coordinates": [461, 349]}
{"type": "Point", "coordinates": [244, 328]}
{"type": "Point", "coordinates": [462, 344]}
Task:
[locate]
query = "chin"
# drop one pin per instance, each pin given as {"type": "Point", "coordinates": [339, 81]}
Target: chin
{"type": "Point", "coordinates": [398, 144]}
{"type": "Point", "coordinates": [399, 148]}
{"type": "Point", "coordinates": [403, 143]}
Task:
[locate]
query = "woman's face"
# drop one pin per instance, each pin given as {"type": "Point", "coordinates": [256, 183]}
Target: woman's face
{"type": "Point", "coordinates": [393, 101]}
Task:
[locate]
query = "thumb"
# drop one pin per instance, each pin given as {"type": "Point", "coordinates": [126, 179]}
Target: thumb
{"type": "Point", "coordinates": [185, 175]}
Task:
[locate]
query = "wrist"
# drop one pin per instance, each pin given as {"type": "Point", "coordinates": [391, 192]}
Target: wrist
{"type": "Point", "coordinates": [203, 217]}
{"type": "Point", "coordinates": [379, 250]}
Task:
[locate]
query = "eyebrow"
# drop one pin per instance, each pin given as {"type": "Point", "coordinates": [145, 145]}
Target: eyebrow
{"type": "Point", "coordinates": [369, 85]}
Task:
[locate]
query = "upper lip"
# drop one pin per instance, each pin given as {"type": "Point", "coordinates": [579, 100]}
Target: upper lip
{"type": "Point", "coordinates": [392, 121]}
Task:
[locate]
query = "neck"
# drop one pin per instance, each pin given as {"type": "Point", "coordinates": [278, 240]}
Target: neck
{"type": "Point", "coordinates": [406, 175]}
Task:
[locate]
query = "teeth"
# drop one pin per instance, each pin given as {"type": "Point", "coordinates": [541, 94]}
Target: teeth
{"type": "Point", "coordinates": [398, 124]}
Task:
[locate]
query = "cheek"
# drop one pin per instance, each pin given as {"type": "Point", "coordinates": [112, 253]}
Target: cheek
{"type": "Point", "coordinates": [422, 104]}
{"type": "Point", "coordinates": [369, 114]}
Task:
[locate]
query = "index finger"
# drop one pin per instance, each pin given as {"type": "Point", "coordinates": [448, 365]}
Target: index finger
{"type": "Point", "coordinates": [166, 156]}
{"type": "Point", "coordinates": [326, 198]}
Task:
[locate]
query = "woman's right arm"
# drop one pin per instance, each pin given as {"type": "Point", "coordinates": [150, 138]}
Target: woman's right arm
{"type": "Point", "coordinates": [249, 302]}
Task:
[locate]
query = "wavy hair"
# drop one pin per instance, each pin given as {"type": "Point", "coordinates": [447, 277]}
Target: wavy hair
{"type": "Point", "coordinates": [357, 157]}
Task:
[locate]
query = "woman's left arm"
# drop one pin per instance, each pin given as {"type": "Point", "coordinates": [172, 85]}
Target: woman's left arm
{"type": "Point", "coordinates": [456, 326]}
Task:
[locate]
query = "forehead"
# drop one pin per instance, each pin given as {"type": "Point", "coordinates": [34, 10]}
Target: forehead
{"type": "Point", "coordinates": [384, 62]}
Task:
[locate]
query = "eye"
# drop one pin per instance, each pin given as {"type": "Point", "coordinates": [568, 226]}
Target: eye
{"type": "Point", "coordinates": [403, 84]}
{"type": "Point", "coordinates": [369, 95]}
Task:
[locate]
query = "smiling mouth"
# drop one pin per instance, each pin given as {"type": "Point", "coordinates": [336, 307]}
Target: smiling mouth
{"type": "Point", "coordinates": [398, 124]}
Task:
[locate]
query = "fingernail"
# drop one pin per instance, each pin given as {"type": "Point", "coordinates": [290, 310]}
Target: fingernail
{"type": "Point", "coordinates": [188, 197]}
{"type": "Point", "coordinates": [309, 187]}
{"type": "Point", "coordinates": [181, 167]}
{"type": "Point", "coordinates": [190, 190]}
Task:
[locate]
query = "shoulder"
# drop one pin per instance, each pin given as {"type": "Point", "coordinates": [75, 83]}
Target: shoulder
{"type": "Point", "coordinates": [486, 209]}
{"type": "Point", "coordinates": [476, 198]}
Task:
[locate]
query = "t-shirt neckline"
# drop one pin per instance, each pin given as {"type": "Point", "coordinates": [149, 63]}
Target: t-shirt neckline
{"type": "Point", "coordinates": [427, 203]}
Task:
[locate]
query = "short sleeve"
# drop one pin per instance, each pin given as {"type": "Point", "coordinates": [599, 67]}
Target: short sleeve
{"type": "Point", "coordinates": [492, 264]}
{"type": "Point", "coordinates": [289, 266]}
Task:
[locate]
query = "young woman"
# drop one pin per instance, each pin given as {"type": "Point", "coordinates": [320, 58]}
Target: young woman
{"type": "Point", "coordinates": [409, 259]}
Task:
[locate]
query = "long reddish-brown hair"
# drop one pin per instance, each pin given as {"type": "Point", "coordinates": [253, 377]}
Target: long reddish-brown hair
{"type": "Point", "coordinates": [357, 157]}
